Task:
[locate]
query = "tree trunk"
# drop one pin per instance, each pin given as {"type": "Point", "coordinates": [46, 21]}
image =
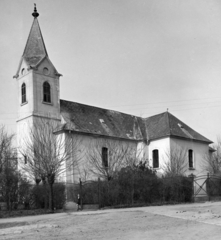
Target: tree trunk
{"type": "Point", "coordinates": [132, 193]}
{"type": "Point", "coordinates": [51, 178]}
{"type": "Point", "coordinates": [45, 193]}
{"type": "Point", "coordinates": [51, 198]}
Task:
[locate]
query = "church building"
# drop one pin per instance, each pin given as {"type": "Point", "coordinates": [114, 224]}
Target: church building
{"type": "Point", "coordinates": [153, 138]}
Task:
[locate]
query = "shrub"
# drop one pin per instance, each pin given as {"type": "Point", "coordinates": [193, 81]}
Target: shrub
{"type": "Point", "coordinates": [59, 195]}
{"type": "Point", "coordinates": [40, 195]}
{"type": "Point", "coordinates": [137, 185]}
{"type": "Point", "coordinates": [177, 189]}
{"type": "Point", "coordinates": [213, 186]}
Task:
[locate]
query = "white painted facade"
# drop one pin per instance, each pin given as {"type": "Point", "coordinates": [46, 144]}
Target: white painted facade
{"type": "Point", "coordinates": [164, 146]}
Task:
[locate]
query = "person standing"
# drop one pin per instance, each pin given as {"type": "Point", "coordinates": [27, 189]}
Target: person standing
{"type": "Point", "coordinates": [79, 202]}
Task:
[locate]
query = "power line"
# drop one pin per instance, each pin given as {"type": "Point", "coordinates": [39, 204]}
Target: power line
{"type": "Point", "coordinates": [187, 100]}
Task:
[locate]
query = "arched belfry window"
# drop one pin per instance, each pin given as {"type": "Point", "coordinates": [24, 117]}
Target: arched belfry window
{"type": "Point", "coordinates": [23, 93]}
{"type": "Point", "coordinates": [155, 155]}
{"type": "Point", "coordinates": [46, 92]}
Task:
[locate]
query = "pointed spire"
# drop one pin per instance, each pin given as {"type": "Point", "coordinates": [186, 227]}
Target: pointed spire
{"type": "Point", "coordinates": [35, 49]}
{"type": "Point", "coordinates": [35, 14]}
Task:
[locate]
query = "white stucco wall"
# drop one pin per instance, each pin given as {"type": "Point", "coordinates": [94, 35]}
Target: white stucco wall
{"type": "Point", "coordinates": [163, 146]}
{"type": "Point", "coordinates": [34, 107]}
{"type": "Point", "coordinates": [34, 80]}
{"type": "Point", "coordinates": [200, 151]}
{"type": "Point", "coordinates": [89, 145]}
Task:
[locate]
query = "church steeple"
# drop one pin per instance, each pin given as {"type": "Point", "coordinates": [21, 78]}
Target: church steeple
{"type": "Point", "coordinates": [37, 79]}
{"type": "Point", "coordinates": [35, 50]}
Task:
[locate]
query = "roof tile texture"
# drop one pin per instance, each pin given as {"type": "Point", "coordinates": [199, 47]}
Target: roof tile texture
{"type": "Point", "coordinates": [93, 120]}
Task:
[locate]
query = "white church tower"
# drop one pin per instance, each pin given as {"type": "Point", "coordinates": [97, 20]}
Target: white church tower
{"type": "Point", "coordinates": [37, 83]}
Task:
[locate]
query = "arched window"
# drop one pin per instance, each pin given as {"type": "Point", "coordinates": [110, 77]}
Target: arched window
{"type": "Point", "coordinates": [46, 92]}
{"type": "Point", "coordinates": [23, 93]}
{"type": "Point", "coordinates": [190, 157]}
{"type": "Point", "coordinates": [155, 158]}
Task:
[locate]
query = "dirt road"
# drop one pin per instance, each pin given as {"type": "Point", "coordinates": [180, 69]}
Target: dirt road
{"type": "Point", "coordinates": [189, 221]}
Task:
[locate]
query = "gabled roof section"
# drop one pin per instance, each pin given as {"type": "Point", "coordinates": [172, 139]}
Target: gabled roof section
{"type": "Point", "coordinates": [35, 49]}
{"type": "Point", "coordinates": [93, 120]}
{"type": "Point", "coordinates": [165, 124]}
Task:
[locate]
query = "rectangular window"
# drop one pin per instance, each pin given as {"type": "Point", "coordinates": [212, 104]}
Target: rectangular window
{"type": "Point", "coordinates": [155, 158]}
{"type": "Point", "coordinates": [190, 153]}
{"type": "Point", "coordinates": [105, 157]}
{"type": "Point", "coordinates": [25, 159]}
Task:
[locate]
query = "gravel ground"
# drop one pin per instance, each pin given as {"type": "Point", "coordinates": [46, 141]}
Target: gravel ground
{"type": "Point", "coordinates": [189, 221]}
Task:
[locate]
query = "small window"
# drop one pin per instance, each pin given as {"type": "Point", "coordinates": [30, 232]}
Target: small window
{"type": "Point", "coordinates": [190, 156]}
{"type": "Point", "coordinates": [46, 92]}
{"type": "Point", "coordinates": [23, 93]}
{"type": "Point", "coordinates": [155, 158]}
{"type": "Point", "coordinates": [25, 159]}
{"type": "Point", "coordinates": [105, 157]}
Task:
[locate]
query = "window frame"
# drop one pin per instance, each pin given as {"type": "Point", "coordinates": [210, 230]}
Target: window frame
{"type": "Point", "coordinates": [155, 157]}
{"type": "Point", "coordinates": [104, 157]}
{"type": "Point", "coordinates": [23, 93]}
{"type": "Point", "coordinates": [46, 92]}
{"type": "Point", "coordinates": [191, 159]}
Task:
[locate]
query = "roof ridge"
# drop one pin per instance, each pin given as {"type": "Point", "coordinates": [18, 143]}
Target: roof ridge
{"type": "Point", "coordinates": [170, 132]}
{"type": "Point", "coordinates": [154, 115]}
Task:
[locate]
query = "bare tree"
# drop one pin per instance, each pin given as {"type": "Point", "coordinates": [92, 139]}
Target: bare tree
{"type": "Point", "coordinates": [8, 167]}
{"type": "Point", "coordinates": [212, 160]}
{"type": "Point", "coordinates": [106, 157]}
{"type": "Point", "coordinates": [7, 151]}
{"type": "Point", "coordinates": [175, 162]}
{"type": "Point", "coordinates": [47, 155]}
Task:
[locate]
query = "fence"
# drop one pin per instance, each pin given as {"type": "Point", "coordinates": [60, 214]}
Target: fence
{"type": "Point", "coordinates": [207, 187]}
{"type": "Point", "coordinates": [139, 192]}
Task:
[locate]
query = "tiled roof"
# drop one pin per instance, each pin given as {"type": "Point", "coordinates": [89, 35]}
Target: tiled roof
{"type": "Point", "coordinates": [35, 49]}
{"type": "Point", "coordinates": [88, 119]}
{"type": "Point", "coordinates": [165, 124]}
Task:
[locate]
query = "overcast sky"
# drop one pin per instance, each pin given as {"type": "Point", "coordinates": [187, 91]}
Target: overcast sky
{"type": "Point", "coordinates": [139, 57]}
